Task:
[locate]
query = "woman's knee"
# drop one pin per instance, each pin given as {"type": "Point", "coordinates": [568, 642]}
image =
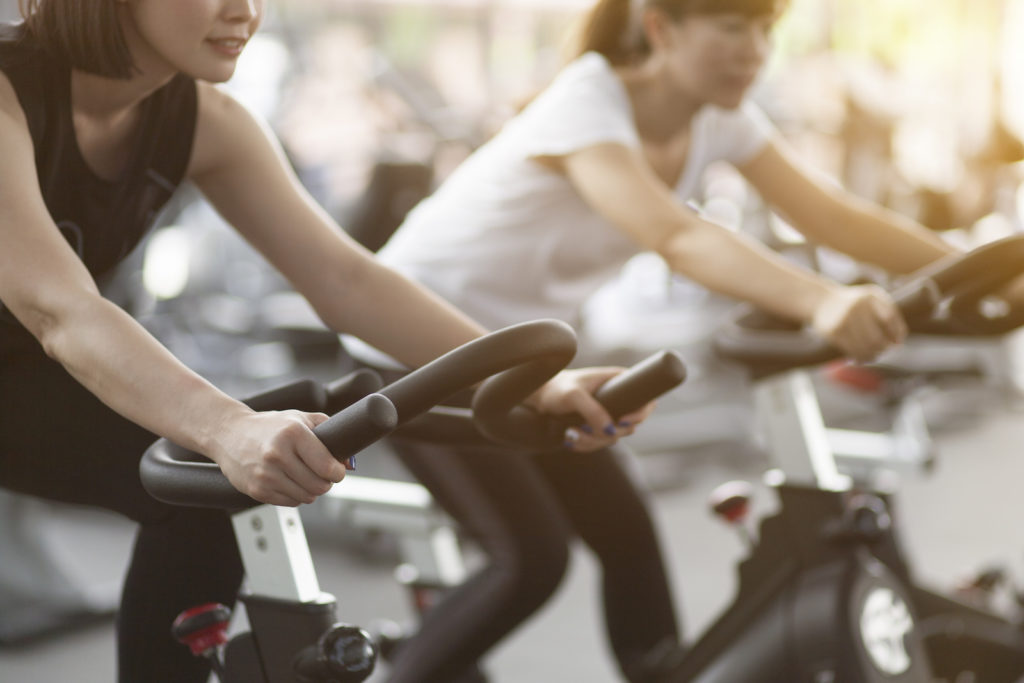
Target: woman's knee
{"type": "Point", "coordinates": [531, 568]}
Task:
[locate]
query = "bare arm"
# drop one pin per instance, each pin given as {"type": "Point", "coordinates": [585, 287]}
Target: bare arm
{"type": "Point", "coordinates": [619, 184]}
{"type": "Point", "coordinates": [833, 217]}
{"type": "Point", "coordinates": [49, 290]}
{"type": "Point", "coordinates": [241, 170]}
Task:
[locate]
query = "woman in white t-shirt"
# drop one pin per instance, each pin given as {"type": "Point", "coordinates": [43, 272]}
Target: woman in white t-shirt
{"type": "Point", "coordinates": [597, 168]}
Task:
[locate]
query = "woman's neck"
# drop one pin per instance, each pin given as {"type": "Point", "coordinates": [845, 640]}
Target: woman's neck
{"type": "Point", "coordinates": [105, 114]}
{"type": "Point", "coordinates": [661, 112]}
{"type": "Point", "coordinates": [98, 97]}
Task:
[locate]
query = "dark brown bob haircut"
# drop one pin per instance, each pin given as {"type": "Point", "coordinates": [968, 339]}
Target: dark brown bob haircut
{"type": "Point", "coordinates": [606, 28]}
{"type": "Point", "coordinates": [84, 33]}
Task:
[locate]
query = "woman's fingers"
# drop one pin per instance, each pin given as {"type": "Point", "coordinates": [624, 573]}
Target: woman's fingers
{"type": "Point", "coordinates": [637, 416]}
{"type": "Point", "coordinates": [862, 322]}
{"type": "Point", "coordinates": [572, 391]}
{"type": "Point", "coordinates": [313, 455]}
{"type": "Point", "coordinates": [291, 493]}
{"type": "Point", "coordinates": [279, 460]}
{"type": "Point", "coordinates": [892, 320]}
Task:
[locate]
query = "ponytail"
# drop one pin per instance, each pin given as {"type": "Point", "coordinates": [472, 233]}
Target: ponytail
{"type": "Point", "coordinates": [605, 30]}
{"type": "Point", "coordinates": [613, 27]}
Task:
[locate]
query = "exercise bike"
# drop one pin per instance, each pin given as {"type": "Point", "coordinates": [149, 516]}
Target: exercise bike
{"type": "Point", "coordinates": [293, 635]}
{"type": "Point", "coordinates": [826, 594]}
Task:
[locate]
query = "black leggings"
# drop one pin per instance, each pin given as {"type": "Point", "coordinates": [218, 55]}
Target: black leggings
{"type": "Point", "coordinates": [524, 510]}
{"type": "Point", "coordinates": [57, 441]}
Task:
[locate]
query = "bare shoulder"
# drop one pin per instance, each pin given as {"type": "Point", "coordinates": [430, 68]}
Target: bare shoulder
{"type": "Point", "coordinates": [10, 107]}
{"type": "Point", "coordinates": [15, 140]}
{"type": "Point", "coordinates": [225, 130]}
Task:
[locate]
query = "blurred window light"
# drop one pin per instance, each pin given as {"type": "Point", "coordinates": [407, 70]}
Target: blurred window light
{"type": "Point", "coordinates": [1013, 66]}
{"type": "Point", "coordinates": [261, 71]}
{"type": "Point", "coordinates": [165, 267]}
{"type": "Point", "coordinates": [267, 360]}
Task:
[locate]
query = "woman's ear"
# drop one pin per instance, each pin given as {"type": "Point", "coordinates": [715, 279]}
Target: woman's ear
{"type": "Point", "coordinates": [657, 27]}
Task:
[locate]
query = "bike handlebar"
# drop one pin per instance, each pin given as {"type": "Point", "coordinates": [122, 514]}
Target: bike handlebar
{"type": "Point", "coordinates": [179, 476]}
{"type": "Point", "coordinates": [176, 475]}
{"type": "Point", "coordinates": [499, 415]}
{"type": "Point", "coordinates": [527, 355]}
{"type": "Point", "coordinates": [944, 298]}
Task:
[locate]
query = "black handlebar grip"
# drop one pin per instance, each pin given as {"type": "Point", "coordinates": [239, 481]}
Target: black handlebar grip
{"type": "Point", "coordinates": [312, 397]}
{"type": "Point", "coordinates": [175, 475]}
{"type": "Point", "coordinates": [516, 425]}
{"type": "Point", "coordinates": [304, 394]}
{"type": "Point", "coordinates": [642, 383]}
{"type": "Point", "coordinates": [346, 390]}
{"type": "Point", "coordinates": [356, 427]}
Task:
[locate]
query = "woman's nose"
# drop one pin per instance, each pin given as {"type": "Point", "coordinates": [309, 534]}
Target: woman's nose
{"type": "Point", "coordinates": [242, 10]}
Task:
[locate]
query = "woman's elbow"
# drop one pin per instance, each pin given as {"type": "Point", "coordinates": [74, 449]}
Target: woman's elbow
{"type": "Point", "coordinates": [54, 323]}
{"type": "Point", "coordinates": [45, 326]}
{"type": "Point", "coordinates": [678, 247]}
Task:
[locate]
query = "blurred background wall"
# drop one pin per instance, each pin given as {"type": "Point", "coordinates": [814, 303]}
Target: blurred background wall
{"type": "Point", "coordinates": [926, 94]}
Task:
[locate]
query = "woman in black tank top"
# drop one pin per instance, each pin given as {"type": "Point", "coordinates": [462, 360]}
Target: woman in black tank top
{"type": "Point", "coordinates": [105, 107]}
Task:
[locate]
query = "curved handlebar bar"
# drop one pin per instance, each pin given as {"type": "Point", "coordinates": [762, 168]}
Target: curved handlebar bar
{"type": "Point", "coordinates": [526, 355]}
{"type": "Point", "coordinates": [314, 397]}
{"type": "Point", "coordinates": [944, 298]}
{"type": "Point", "coordinates": [176, 475]}
{"type": "Point", "coordinates": [499, 415]}
{"type": "Point", "coordinates": [496, 415]}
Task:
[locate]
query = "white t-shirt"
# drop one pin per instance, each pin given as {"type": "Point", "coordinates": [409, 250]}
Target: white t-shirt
{"type": "Point", "coordinates": [506, 239]}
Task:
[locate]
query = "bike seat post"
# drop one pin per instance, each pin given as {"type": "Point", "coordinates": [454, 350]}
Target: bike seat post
{"type": "Point", "coordinates": [275, 553]}
{"type": "Point", "coordinates": [797, 440]}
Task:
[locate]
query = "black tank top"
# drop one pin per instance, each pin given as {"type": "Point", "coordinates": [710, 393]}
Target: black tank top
{"type": "Point", "coordinates": [101, 219]}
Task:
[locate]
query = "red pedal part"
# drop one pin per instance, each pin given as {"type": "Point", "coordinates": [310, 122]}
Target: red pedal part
{"type": "Point", "coordinates": [867, 380]}
{"type": "Point", "coordinates": [203, 627]}
{"type": "Point", "coordinates": [731, 501]}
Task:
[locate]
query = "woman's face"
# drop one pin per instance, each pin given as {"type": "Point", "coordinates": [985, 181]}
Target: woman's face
{"type": "Point", "coordinates": [201, 38]}
{"type": "Point", "coordinates": [715, 58]}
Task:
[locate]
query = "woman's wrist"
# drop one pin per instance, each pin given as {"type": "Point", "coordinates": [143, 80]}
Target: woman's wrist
{"type": "Point", "coordinates": [812, 299]}
{"type": "Point", "coordinates": [217, 419]}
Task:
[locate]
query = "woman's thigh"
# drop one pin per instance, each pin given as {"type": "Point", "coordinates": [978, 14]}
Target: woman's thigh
{"type": "Point", "coordinates": [496, 494]}
{"type": "Point", "coordinates": [60, 442]}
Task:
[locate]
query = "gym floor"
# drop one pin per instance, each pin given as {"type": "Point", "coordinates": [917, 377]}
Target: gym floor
{"type": "Point", "coordinates": [955, 520]}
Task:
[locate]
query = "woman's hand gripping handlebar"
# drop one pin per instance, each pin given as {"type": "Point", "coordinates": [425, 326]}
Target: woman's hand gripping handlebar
{"type": "Point", "coordinates": [177, 475]}
{"type": "Point", "coordinates": [955, 296]}
{"type": "Point", "coordinates": [500, 411]}
{"type": "Point", "coordinates": [497, 407]}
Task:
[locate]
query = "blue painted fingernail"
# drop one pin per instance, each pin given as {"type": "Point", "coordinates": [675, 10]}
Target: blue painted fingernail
{"type": "Point", "coordinates": [609, 430]}
{"type": "Point", "coordinates": [587, 429]}
{"type": "Point", "coordinates": [350, 464]}
{"type": "Point", "coordinates": [568, 445]}
{"type": "Point", "coordinates": [625, 424]}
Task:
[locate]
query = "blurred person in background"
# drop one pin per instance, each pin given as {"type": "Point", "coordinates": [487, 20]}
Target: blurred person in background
{"type": "Point", "coordinates": [106, 106]}
{"type": "Point", "coordinates": [597, 168]}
